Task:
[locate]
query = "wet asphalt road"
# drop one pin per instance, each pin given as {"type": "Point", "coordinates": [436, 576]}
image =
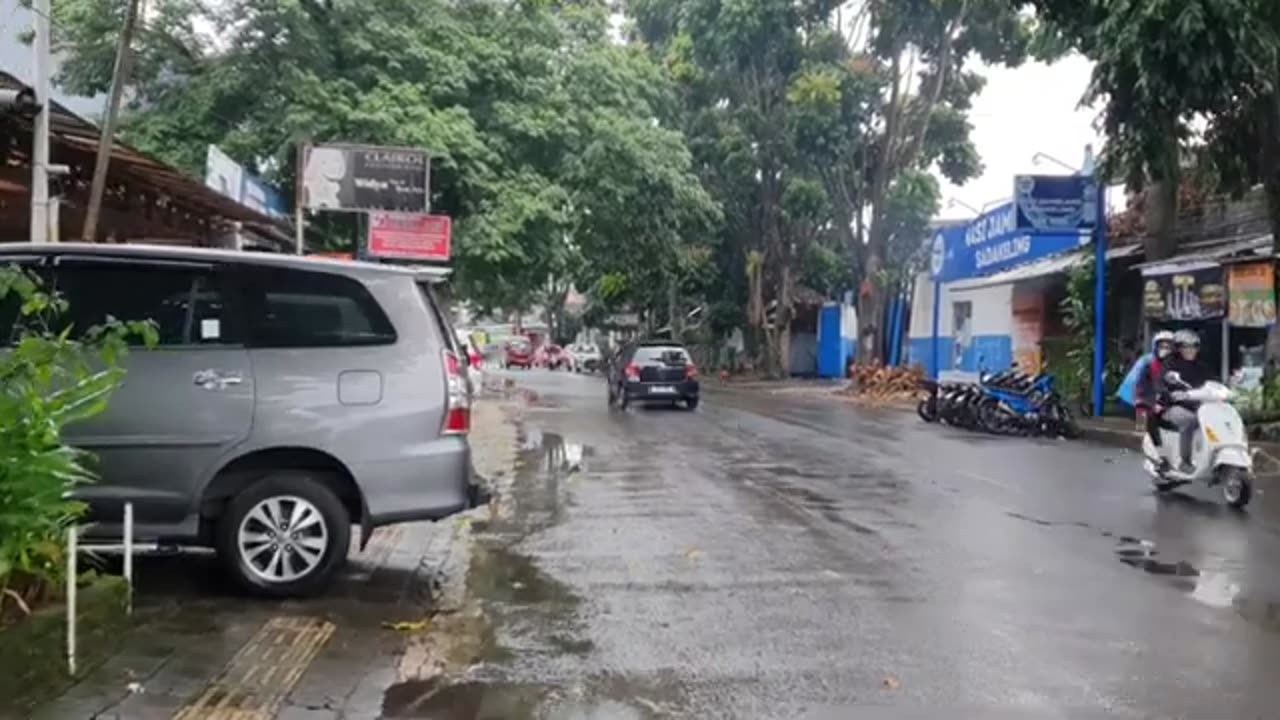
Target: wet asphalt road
{"type": "Point", "coordinates": [776, 555]}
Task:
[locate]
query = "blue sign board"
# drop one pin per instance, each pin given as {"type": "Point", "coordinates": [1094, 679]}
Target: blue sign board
{"type": "Point", "coordinates": [1055, 203]}
{"type": "Point", "coordinates": [261, 197]}
{"type": "Point", "coordinates": [993, 243]}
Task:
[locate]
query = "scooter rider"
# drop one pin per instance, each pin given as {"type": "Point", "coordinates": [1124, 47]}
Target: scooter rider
{"type": "Point", "coordinates": [1190, 374]}
{"type": "Point", "coordinates": [1146, 401]}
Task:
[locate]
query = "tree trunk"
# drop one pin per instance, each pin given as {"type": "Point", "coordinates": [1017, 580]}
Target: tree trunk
{"type": "Point", "coordinates": [673, 310]}
{"type": "Point", "coordinates": [1270, 158]}
{"type": "Point", "coordinates": [1161, 211]}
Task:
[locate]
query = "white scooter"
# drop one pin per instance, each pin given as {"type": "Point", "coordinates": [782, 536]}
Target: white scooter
{"type": "Point", "coordinates": [1220, 453]}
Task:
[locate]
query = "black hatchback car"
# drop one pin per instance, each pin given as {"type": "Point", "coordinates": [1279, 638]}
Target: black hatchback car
{"type": "Point", "coordinates": [653, 371]}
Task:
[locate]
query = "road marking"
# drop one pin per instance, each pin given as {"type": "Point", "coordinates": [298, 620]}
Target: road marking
{"type": "Point", "coordinates": [255, 683]}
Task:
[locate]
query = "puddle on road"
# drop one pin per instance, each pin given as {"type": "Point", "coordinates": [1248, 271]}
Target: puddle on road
{"type": "Point", "coordinates": [1213, 588]}
{"type": "Point", "coordinates": [464, 701]}
{"type": "Point", "coordinates": [588, 698]}
{"type": "Point", "coordinates": [499, 574]}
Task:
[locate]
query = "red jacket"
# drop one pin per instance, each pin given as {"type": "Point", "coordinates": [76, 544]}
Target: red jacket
{"type": "Point", "coordinates": [1145, 393]}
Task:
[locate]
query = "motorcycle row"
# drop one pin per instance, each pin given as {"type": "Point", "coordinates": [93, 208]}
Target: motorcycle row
{"type": "Point", "coordinates": [1004, 403]}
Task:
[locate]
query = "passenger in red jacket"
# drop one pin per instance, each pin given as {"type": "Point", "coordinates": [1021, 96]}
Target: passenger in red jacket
{"type": "Point", "coordinates": [1146, 396]}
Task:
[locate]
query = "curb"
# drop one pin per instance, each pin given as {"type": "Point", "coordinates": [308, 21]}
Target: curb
{"type": "Point", "coordinates": [1131, 439]}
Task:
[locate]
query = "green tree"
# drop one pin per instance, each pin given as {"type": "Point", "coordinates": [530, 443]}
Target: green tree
{"type": "Point", "coordinates": [507, 96]}
{"type": "Point", "coordinates": [1163, 69]}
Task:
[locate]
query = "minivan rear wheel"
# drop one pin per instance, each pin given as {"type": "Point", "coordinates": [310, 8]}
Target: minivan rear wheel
{"type": "Point", "coordinates": [285, 535]}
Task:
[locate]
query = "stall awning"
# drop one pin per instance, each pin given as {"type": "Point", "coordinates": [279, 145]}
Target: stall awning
{"type": "Point", "coordinates": [1211, 254]}
{"type": "Point", "coordinates": [1041, 268]}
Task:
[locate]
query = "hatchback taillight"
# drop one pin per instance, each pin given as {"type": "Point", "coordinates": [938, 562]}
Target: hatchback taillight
{"type": "Point", "coordinates": [457, 419]}
{"type": "Point", "coordinates": [691, 371]}
{"type": "Point", "coordinates": [633, 371]}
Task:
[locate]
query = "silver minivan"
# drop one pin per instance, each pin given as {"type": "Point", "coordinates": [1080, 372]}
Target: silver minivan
{"type": "Point", "coordinates": [287, 400]}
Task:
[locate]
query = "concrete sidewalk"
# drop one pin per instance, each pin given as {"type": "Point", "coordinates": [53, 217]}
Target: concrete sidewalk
{"type": "Point", "coordinates": [200, 652]}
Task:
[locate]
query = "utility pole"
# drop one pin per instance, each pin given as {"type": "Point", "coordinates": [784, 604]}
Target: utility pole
{"type": "Point", "coordinates": [119, 76]}
{"type": "Point", "coordinates": [40, 142]}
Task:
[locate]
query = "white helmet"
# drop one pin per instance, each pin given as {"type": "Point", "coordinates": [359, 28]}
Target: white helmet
{"type": "Point", "coordinates": [1186, 338]}
{"type": "Point", "coordinates": [1162, 336]}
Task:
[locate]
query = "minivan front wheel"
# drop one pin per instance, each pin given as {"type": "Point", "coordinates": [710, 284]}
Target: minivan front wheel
{"type": "Point", "coordinates": [284, 536]}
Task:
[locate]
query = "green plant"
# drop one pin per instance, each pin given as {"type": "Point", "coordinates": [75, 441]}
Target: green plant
{"type": "Point", "coordinates": [49, 377]}
{"type": "Point", "coordinates": [1072, 364]}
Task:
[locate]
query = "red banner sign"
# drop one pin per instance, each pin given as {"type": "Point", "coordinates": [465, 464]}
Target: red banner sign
{"type": "Point", "coordinates": [409, 236]}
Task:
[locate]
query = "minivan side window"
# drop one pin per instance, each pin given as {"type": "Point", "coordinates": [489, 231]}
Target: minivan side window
{"type": "Point", "coordinates": [304, 309]}
{"type": "Point", "coordinates": [186, 304]}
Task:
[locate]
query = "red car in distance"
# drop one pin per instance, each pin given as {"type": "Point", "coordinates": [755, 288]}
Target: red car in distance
{"type": "Point", "coordinates": [518, 353]}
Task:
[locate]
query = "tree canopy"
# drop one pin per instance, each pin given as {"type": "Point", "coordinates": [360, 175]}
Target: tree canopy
{"type": "Point", "coordinates": [723, 156]}
{"type": "Point", "coordinates": [548, 138]}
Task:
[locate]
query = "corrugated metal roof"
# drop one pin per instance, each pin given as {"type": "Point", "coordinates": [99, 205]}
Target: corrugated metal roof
{"type": "Point", "coordinates": [73, 131]}
{"type": "Point", "coordinates": [1212, 252]}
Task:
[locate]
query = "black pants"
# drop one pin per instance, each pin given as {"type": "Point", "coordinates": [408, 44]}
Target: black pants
{"type": "Point", "coordinates": [1153, 426]}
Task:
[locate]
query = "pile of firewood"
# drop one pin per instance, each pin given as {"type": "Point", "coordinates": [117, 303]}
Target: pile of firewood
{"type": "Point", "coordinates": [877, 382]}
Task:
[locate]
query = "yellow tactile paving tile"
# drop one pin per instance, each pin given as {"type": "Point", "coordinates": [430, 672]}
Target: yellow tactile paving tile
{"type": "Point", "coordinates": [255, 683]}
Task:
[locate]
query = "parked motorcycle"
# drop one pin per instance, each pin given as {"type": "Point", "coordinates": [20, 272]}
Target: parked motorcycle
{"type": "Point", "coordinates": [1005, 403]}
{"type": "Point", "coordinates": [1221, 456]}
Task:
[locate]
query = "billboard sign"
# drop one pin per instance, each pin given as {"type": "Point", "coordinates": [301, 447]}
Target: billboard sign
{"type": "Point", "coordinates": [222, 174]}
{"type": "Point", "coordinates": [229, 178]}
{"type": "Point", "coordinates": [1251, 288]}
{"type": "Point", "coordinates": [262, 197]}
{"type": "Point", "coordinates": [1055, 203]}
{"type": "Point", "coordinates": [409, 236]}
{"type": "Point", "coordinates": [358, 177]}
{"type": "Point", "coordinates": [993, 243]}
{"type": "Point", "coordinates": [1183, 293]}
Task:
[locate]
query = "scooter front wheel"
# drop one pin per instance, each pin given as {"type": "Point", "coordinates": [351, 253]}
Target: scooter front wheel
{"type": "Point", "coordinates": [1237, 487]}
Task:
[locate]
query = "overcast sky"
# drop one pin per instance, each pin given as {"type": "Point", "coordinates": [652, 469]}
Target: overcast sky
{"type": "Point", "coordinates": [1022, 111]}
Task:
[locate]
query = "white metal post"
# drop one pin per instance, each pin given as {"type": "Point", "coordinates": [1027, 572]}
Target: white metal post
{"type": "Point", "coordinates": [71, 599]}
{"type": "Point", "coordinates": [299, 218]}
{"type": "Point", "coordinates": [40, 142]}
{"type": "Point", "coordinates": [55, 212]}
{"type": "Point", "coordinates": [128, 557]}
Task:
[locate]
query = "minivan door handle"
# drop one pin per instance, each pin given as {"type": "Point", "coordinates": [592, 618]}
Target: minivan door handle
{"type": "Point", "coordinates": [214, 380]}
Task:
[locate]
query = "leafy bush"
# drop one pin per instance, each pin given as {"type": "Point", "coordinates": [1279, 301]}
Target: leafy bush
{"type": "Point", "coordinates": [48, 378]}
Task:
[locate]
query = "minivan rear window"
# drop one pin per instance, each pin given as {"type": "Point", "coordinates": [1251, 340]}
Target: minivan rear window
{"type": "Point", "coordinates": [442, 323]}
{"type": "Point", "coordinates": [301, 308]}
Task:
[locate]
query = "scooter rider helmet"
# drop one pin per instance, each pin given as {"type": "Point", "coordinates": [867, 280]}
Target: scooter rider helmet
{"type": "Point", "coordinates": [1165, 337]}
{"type": "Point", "coordinates": [1186, 338]}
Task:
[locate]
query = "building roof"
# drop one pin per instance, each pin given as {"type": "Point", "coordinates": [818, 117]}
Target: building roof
{"type": "Point", "coordinates": [74, 132]}
{"type": "Point", "coordinates": [1254, 246]}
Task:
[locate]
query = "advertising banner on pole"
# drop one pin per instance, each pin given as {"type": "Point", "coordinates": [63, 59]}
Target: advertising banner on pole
{"type": "Point", "coordinates": [1055, 203]}
{"type": "Point", "coordinates": [1252, 290]}
{"type": "Point", "coordinates": [409, 236]}
{"type": "Point", "coordinates": [359, 177]}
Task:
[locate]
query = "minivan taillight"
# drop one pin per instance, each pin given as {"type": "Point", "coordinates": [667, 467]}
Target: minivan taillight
{"type": "Point", "coordinates": [633, 371]}
{"type": "Point", "coordinates": [457, 419]}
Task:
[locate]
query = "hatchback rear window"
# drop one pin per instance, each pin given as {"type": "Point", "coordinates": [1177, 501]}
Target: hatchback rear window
{"type": "Point", "coordinates": [666, 354]}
